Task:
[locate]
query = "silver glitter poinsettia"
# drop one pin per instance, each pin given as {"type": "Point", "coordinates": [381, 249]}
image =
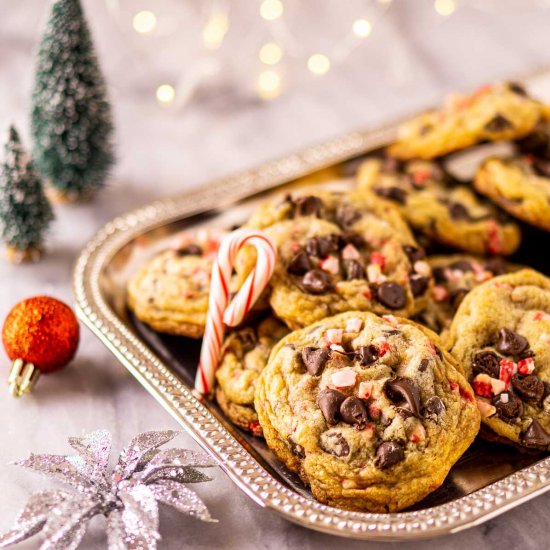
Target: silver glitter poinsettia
{"type": "Point", "coordinates": [128, 495]}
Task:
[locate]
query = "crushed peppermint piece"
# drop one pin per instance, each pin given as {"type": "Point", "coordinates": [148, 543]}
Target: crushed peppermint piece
{"type": "Point", "coordinates": [331, 265]}
{"type": "Point", "coordinates": [486, 409]}
{"type": "Point", "coordinates": [498, 386]}
{"type": "Point", "coordinates": [422, 267]}
{"type": "Point", "coordinates": [338, 348]}
{"type": "Point", "coordinates": [482, 385]}
{"type": "Point", "coordinates": [349, 252]}
{"type": "Point", "coordinates": [418, 433]}
{"type": "Point", "coordinates": [507, 370]}
{"type": "Point", "coordinates": [344, 378]}
{"type": "Point", "coordinates": [378, 259]}
{"type": "Point", "coordinates": [354, 324]}
{"type": "Point", "coordinates": [526, 366]}
{"type": "Point", "coordinates": [504, 398]}
{"type": "Point", "coordinates": [439, 293]}
{"type": "Point", "coordinates": [367, 293]}
{"type": "Point", "coordinates": [365, 390]}
{"type": "Point", "coordinates": [374, 274]}
{"type": "Point", "coordinates": [334, 335]}
{"type": "Point", "coordinates": [391, 319]}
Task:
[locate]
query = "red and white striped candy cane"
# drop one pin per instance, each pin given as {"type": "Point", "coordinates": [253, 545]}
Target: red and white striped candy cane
{"type": "Point", "coordinates": [220, 311]}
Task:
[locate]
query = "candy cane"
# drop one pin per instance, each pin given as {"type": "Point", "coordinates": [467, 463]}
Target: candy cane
{"type": "Point", "coordinates": [220, 311]}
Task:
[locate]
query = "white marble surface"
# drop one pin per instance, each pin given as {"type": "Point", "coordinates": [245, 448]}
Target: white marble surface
{"type": "Point", "coordinates": [413, 60]}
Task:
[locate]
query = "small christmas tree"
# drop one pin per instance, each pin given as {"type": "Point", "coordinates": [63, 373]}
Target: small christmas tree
{"type": "Point", "coordinates": [71, 117]}
{"type": "Point", "coordinates": [25, 212]}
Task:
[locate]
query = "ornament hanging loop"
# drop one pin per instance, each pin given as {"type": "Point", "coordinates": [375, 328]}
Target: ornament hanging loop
{"type": "Point", "coordinates": [23, 377]}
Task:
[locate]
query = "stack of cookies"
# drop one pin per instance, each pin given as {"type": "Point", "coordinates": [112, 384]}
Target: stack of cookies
{"type": "Point", "coordinates": [368, 365]}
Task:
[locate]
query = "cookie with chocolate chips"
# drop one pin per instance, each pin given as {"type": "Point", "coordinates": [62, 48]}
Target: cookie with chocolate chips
{"type": "Point", "coordinates": [491, 113]}
{"type": "Point", "coordinates": [520, 185]}
{"type": "Point", "coordinates": [501, 336]}
{"type": "Point", "coordinates": [243, 356]}
{"type": "Point", "coordinates": [454, 276]}
{"type": "Point", "coordinates": [366, 409]}
{"type": "Point", "coordinates": [170, 292]}
{"type": "Point", "coordinates": [445, 211]}
{"type": "Point", "coordinates": [367, 262]}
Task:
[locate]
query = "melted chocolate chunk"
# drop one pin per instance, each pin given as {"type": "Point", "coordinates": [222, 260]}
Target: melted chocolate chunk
{"type": "Point", "coordinates": [353, 270]}
{"type": "Point", "coordinates": [393, 193]}
{"type": "Point", "coordinates": [530, 388]}
{"type": "Point", "coordinates": [434, 406]}
{"type": "Point", "coordinates": [461, 265]}
{"type": "Point", "coordinates": [419, 284]}
{"type": "Point", "coordinates": [355, 239]}
{"type": "Point", "coordinates": [404, 393]}
{"type": "Point", "coordinates": [535, 436]}
{"type": "Point", "coordinates": [316, 281]}
{"type": "Point", "coordinates": [308, 206]}
{"type": "Point", "coordinates": [295, 448]}
{"type": "Point", "coordinates": [392, 295]}
{"type": "Point", "coordinates": [457, 296]}
{"type": "Point", "coordinates": [315, 359]}
{"type": "Point", "coordinates": [424, 364]}
{"type": "Point", "coordinates": [299, 264]}
{"type": "Point", "coordinates": [439, 274]}
{"type": "Point", "coordinates": [542, 167]}
{"type": "Point", "coordinates": [486, 362]}
{"type": "Point", "coordinates": [458, 211]}
{"type": "Point", "coordinates": [498, 123]}
{"type": "Point", "coordinates": [517, 88]}
{"type": "Point", "coordinates": [509, 410]}
{"type": "Point", "coordinates": [414, 254]}
{"type": "Point", "coordinates": [323, 246]}
{"type": "Point", "coordinates": [190, 250]}
{"type": "Point", "coordinates": [366, 355]}
{"type": "Point", "coordinates": [353, 411]}
{"type": "Point", "coordinates": [338, 446]}
{"type": "Point", "coordinates": [389, 454]}
{"type": "Point", "coordinates": [247, 338]}
{"type": "Point", "coordinates": [346, 216]}
{"type": "Point", "coordinates": [329, 402]}
{"type": "Point", "coordinates": [511, 343]}
{"type": "Point", "coordinates": [497, 266]}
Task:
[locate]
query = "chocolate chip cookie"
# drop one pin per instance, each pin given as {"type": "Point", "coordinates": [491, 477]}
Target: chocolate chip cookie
{"type": "Point", "coordinates": [492, 113]}
{"type": "Point", "coordinates": [454, 277]}
{"type": "Point", "coordinates": [170, 292]}
{"type": "Point", "coordinates": [364, 263]}
{"type": "Point", "coordinates": [244, 355]}
{"type": "Point", "coordinates": [501, 336]}
{"type": "Point", "coordinates": [440, 208]}
{"type": "Point", "coordinates": [369, 411]}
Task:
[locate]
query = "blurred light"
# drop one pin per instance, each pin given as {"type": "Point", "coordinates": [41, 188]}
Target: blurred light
{"type": "Point", "coordinates": [215, 30]}
{"type": "Point", "coordinates": [384, 1]}
{"type": "Point", "coordinates": [166, 94]}
{"type": "Point", "coordinates": [271, 53]}
{"type": "Point", "coordinates": [271, 9]}
{"type": "Point", "coordinates": [144, 22]}
{"type": "Point", "coordinates": [269, 84]}
{"type": "Point", "coordinates": [444, 7]}
{"type": "Point", "coordinates": [362, 28]}
{"type": "Point", "coordinates": [318, 64]}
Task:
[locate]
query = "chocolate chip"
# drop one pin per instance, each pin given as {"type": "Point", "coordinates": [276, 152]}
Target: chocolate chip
{"type": "Point", "coordinates": [353, 411]}
{"type": "Point", "coordinates": [498, 123]}
{"type": "Point", "coordinates": [434, 406]}
{"type": "Point", "coordinates": [190, 250]}
{"type": "Point", "coordinates": [497, 266]}
{"type": "Point", "coordinates": [346, 216]}
{"type": "Point", "coordinates": [295, 448]}
{"type": "Point", "coordinates": [315, 359]}
{"type": "Point", "coordinates": [461, 265]}
{"type": "Point", "coordinates": [458, 211]}
{"type": "Point", "coordinates": [517, 88]}
{"type": "Point", "coordinates": [393, 193]}
{"type": "Point", "coordinates": [316, 281]}
{"type": "Point", "coordinates": [355, 239]}
{"type": "Point", "coordinates": [529, 388]}
{"type": "Point", "coordinates": [535, 436]}
{"type": "Point", "coordinates": [308, 206]}
{"type": "Point", "coordinates": [391, 295]}
{"type": "Point", "coordinates": [510, 410]}
{"type": "Point", "coordinates": [366, 355]}
{"type": "Point", "coordinates": [439, 274]}
{"type": "Point", "coordinates": [388, 454]}
{"type": "Point", "coordinates": [419, 284]}
{"type": "Point", "coordinates": [247, 337]}
{"type": "Point", "coordinates": [424, 364]}
{"type": "Point", "coordinates": [353, 270]}
{"type": "Point", "coordinates": [486, 362]}
{"type": "Point", "coordinates": [404, 393]}
{"type": "Point", "coordinates": [457, 296]}
{"type": "Point", "coordinates": [511, 343]}
{"type": "Point", "coordinates": [413, 253]}
{"type": "Point", "coordinates": [329, 402]}
{"type": "Point", "coordinates": [321, 247]}
{"type": "Point", "coordinates": [299, 264]}
{"type": "Point", "coordinates": [541, 167]}
{"type": "Point", "coordinates": [336, 445]}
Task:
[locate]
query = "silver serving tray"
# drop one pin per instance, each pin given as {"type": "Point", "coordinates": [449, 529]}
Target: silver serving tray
{"type": "Point", "coordinates": [486, 482]}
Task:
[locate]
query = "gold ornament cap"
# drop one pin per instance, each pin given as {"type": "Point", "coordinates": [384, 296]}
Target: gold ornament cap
{"type": "Point", "coordinates": [23, 377]}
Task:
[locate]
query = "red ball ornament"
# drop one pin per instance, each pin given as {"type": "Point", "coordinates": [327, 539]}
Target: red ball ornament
{"type": "Point", "coordinates": [40, 335]}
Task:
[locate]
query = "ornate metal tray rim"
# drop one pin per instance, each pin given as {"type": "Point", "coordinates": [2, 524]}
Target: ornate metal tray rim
{"type": "Point", "coordinates": [186, 407]}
